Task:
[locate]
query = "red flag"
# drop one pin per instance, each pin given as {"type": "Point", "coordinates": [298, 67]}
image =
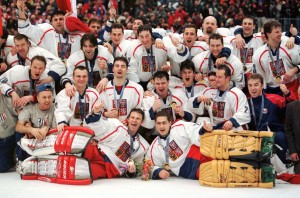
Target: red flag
{"type": "Point", "coordinates": [1, 31]}
{"type": "Point", "coordinates": [64, 5]}
{"type": "Point", "coordinates": [85, 7]}
{"type": "Point", "coordinates": [114, 3]}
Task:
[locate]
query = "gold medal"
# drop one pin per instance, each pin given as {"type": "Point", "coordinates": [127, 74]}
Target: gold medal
{"type": "Point", "coordinates": [173, 105]}
{"type": "Point", "coordinates": [278, 79]}
{"type": "Point", "coordinates": [167, 166]}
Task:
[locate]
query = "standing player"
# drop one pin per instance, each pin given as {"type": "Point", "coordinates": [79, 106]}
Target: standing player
{"type": "Point", "coordinates": [121, 95]}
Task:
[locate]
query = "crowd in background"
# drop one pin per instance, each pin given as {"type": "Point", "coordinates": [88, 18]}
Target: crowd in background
{"type": "Point", "coordinates": [168, 14]}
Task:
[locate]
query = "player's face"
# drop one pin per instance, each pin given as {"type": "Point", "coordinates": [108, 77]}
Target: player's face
{"type": "Point", "coordinates": [134, 122]}
{"type": "Point", "coordinates": [80, 78]}
{"type": "Point", "coordinates": [146, 39]}
{"type": "Point", "coordinates": [263, 37]}
{"type": "Point", "coordinates": [161, 87]}
{"type": "Point", "coordinates": [45, 99]}
{"type": "Point", "coordinates": [116, 36]}
{"type": "Point", "coordinates": [255, 87]}
{"type": "Point", "coordinates": [275, 35]}
{"type": "Point", "coordinates": [58, 23]}
{"type": "Point", "coordinates": [162, 125]}
{"type": "Point", "coordinates": [36, 69]}
{"type": "Point", "coordinates": [88, 49]}
{"type": "Point", "coordinates": [221, 80]}
{"type": "Point", "coordinates": [95, 27]}
{"type": "Point", "coordinates": [209, 25]}
{"type": "Point", "coordinates": [189, 37]}
{"type": "Point", "coordinates": [215, 46]}
{"type": "Point", "coordinates": [120, 69]}
{"type": "Point", "coordinates": [22, 47]}
{"type": "Point", "coordinates": [248, 27]}
{"type": "Point", "coordinates": [136, 24]}
{"type": "Point", "coordinates": [187, 77]}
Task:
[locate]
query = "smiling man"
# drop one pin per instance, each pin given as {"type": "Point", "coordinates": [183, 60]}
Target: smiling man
{"type": "Point", "coordinates": [176, 149]}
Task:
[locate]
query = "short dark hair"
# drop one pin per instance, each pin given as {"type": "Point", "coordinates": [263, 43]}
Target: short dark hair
{"type": "Point", "coordinates": [142, 28]}
{"type": "Point", "coordinates": [270, 25]}
{"type": "Point", "coordinates": [137, 110]}
{"type": "Point", "coordinates": [88, 37]}
{"type": "Point", "coordinates": [162, 114]}
{"type": "Point", "coordinates": [211, 73]}
{"type": "Point", "coordinates": [161, 74]}
{"type": "Point", "coordinates": [249, 17]}
{"type": "Point", "coordinates": [19, 37]}
{"type": "Point", "coordinates": [39, 58]}
{"type": "Point", "coordinates": [80, 67]}
{"type": "Point", "coordinates": [215, 36]}
{"type": "Point", "coordinates": [121, 58]}
{"type": "Point", "coordinates": [141, 19]}
{"type": "Point", "coordinates": [117, 26]}
{"type": "Point", "coordinates": [94, 20]}
{"type": "Point", "coordinates": [187, 64]}
{"type": "Point", "coordinates": [256, 76]}
{"type": "Point", "coordinates": [226, 69]}
{"type": "Point", "coordinates": [189, 26]}
{"type": "Point", "coordinates": [55, 13]}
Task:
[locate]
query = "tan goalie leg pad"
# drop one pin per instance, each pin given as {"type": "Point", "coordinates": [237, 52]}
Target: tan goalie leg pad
{"type": "Point", "coordinates": [250, 145]}
{"type": "Point", "coordinates": [224, 173]}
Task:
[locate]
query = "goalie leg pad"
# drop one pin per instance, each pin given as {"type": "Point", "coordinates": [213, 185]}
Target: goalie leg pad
{"type": "Point", "coordinates": [71, 140]}
{"type": "Point", "coordinates": [60, 169]}
{"type": "Point", "coordinates": [248, 145]}
{"type": "Point", "coordinates": [225, 173]}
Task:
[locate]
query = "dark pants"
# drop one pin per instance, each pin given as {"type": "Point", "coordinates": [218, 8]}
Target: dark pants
{"type": "Point", "coordinates": [281, 140]}
{"type": "Point", "coordinates": [7, 148]}
{"type": "Point", "coordinates": [21, 154]}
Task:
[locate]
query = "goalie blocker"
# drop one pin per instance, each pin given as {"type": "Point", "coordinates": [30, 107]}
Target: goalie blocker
{"type": "Point", "coordinates": [247, 145]}
{"type": "Point", "coordinates": [72, 140]}
{"type": "Point", "coordinates": [62, 169]}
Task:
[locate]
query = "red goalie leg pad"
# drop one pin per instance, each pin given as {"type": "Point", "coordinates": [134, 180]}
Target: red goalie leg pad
{"type": "Point", "coordinates": [291, 178]}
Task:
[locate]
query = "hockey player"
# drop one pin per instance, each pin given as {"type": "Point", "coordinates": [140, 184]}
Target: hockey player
{"type": "Point", "coordinates": [72, 110]}
{"type": "Point", "coordinates": [209, 60]}
{"type": "Point", "coordinates": [121, 95]}
{"type": "Point", "coordinates": [95, 58]}
{"type": "Point", "coordinates": [25, 52]}
{"type": "Point", "coordinates": [277, 64]}
{"type": "Point", "coordinates": [164, 99]}
{"type": "Point", "coordinates": [267, 111]}
{"type": "Point", "coordinates": [52, 37]}
{"type": "Point", "coordinates": [6, 45]}
{"type": "Point", "coordinates": [227, 106]}
{"type": "Point", "coordinates": [20, 82]}
{"type": "Point", "coordinates": [146, 58]}
{"type": "Point", "coordinates": [176, 149]}
{"type": "Point", "coordinates": [35, 120]}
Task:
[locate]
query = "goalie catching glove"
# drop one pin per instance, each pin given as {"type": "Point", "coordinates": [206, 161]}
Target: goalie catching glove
{"type": "Point", "coordinates": [72, 140]}
{"type": "Point", "coordinates": [60, 169]}
{"type": "Point", "coordinates": [248, 145]}
{"type": "Point", "coordinates": [225, 173]}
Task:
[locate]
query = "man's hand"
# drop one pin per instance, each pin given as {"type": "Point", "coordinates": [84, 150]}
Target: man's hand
{"type": "Point", "coordinates": [290, 43]}
{"type": "Point", "coordinates": [131, 166]}
{"type": "Point", "coordinates": [109, 47]}
{"type": "Point", "coordinates": [165, 68]}
{"type": "Point", "coordinates": [44, 130]}
{"type": "Point", "coordinates": [227, 125]}
{"type": "Point", "coordinates": [15, 99]}
{"type": "Point", "coordinates": [102, 64]}
{"type": "Point", "coordinates": [198, 77]}
{"type": "Point", "coordinates": [159, 44]}
{"type": "Point", "coordinates": [284, 89]}
{"type": "Point", "coordinates": [164, 174]}
{"type": "Point", "coordinates": [178, 110]}
{"type": "Point", "coordinates": [60, 127]}
{"type": "Point", "coordinates": [97, 107]}
{"type": "Point", "coordinates": [157, 104]}
{"type": "Point", "coordinates": [70, 90]}
{"type": "Point", "coordinates": [220, 61]}
{"type": "Point", "coordinates": [148, 93]}
{"type": "Point", "coordinates": [203, 99]}
{"type": "Point", "coordinates": [25, 100]}
{"type": "Point", "coordinates": [37, 134]}
{"type": "Point", "coordinates": [3, 67]}
{"type": "Point", "coordinates": [113, 113]}
{"type": "Point", "coordinates": [289, 74]}
{"type": "Point", "coordinates": [21, 5]}
{"type": "Point", "coordinates": [49, 80]}
{"type": "Point", "coordinates": [240, 42]}
{"type": "Point", "coordinates": [112, 13]}
{"type": "Point", "coordinates": [102, 84]}
{"type": "Point", "coordinates": [207, 126]}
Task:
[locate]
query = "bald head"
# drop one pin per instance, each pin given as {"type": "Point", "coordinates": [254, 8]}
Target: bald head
{"type": "Point", "coordinates": [209, 25]}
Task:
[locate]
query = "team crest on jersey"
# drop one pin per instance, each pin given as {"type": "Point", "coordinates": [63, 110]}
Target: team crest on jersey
{"type": "Point", "coordinates": [123, 153]}
{"type": "Point", "coordinates": [42, 122]}
{"type": "Point", "coordinates": [175, 151]}
{"type": "Point", "coordinates": [147, 61]}
{"type": "Point", "coordinates": [218, 109]}
{"type": "Point", "coordinates": [265, 111]}
{"type": "Point", "coordinates": [247, 56]}
{"type": "Point", "coordinates": [280, 65]}
{"type": "Point", "coordinates": [3, 117]}
{"type": "Point", "coordinates": [122, 108]}
{"type": "Point", "coordinates": [85, 108]}
{"type": "Point", "coordinates": [65, 48]}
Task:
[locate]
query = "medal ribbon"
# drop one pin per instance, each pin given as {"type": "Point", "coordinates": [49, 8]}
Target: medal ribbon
{"type": "Point", "coordinates": [117, 103]}
{"type": "Point", "coordinates": [276, 64]}
{"type": "Point", "coordinates": [257, 125]}
{"type": "Point", "coordinates": [166, 148]}
{"type": "Point", "coordinates": [82, 106]}
{"type": "Point", "coordinates": [62, 49]}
